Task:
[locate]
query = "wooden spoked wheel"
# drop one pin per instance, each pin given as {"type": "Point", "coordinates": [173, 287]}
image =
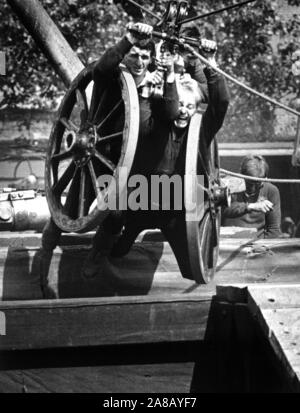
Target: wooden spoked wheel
{"type": "Point", "coordinates": [94, 135]}
{"type": "Point", "coordinates": [202, 212]}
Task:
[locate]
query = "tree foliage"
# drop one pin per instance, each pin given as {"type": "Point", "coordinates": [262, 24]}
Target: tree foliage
{"type": "Point", "coordinates": [255, 44]}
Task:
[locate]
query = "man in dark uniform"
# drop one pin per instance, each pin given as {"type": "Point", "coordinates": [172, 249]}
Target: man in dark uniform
{"type": "Point", "coordinates": [169, 156]}
{"type": "Point", "coordinates": [137, 55]}
{"type": "Point", "coordinates": [163, 133]}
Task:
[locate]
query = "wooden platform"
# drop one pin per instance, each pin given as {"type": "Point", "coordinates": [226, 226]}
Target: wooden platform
{"type": "Point", "coordinates": [260, 343]}
{"type": "Point", "coordinates": [139, 326]}
{"type": "Point", "coordinates": [27, 273]}
{"type": "Point", "coordinates": [243, 339]}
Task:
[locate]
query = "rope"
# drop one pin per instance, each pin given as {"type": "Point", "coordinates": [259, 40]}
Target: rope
{"type": "Point", "coordinates": [206, 62]}
{"type": "Point", "coordinates": [248, 88]}
{"type": "Point", "coordinates": [252, 178]}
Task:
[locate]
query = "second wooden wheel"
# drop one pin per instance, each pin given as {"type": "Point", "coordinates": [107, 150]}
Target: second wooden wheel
{"type": "Point", "coordinates": [203, 197]}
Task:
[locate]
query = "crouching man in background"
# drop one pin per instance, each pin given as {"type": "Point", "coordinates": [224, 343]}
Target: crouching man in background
{"type": "Point", "coordinates": [259, 205]}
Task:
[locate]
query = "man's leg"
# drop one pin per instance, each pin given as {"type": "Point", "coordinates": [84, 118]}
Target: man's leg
{"type": "Point", "coordinates": [174, 231]}
{"type": "Point", "coordinates": [51, 236]}
{"type": "Point", "coordinates": [42, 260]}
{"type": "Point", "coordinates": [133, 226]}
{"type": "Point", "coordinates": [102, 244]}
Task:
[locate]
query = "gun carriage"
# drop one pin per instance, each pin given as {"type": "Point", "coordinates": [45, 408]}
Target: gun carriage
{"type": "Point", "coordinates": [95, 134]}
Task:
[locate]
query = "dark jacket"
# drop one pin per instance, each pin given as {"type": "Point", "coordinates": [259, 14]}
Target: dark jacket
{"type": "Point", "coordinates": [155, 113]}
{"type": "Point", "coordinates": [268, 225]}
{"type": "Point", "coordinates": [172, 159]}
{"type": "Point", "coordinates": [157, 116]}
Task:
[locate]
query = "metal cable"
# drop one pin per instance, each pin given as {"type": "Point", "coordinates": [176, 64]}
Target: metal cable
{"type": "Point", "coordinates": [252, 178]}
{"type": "Point", "coordinates": [232, 79]}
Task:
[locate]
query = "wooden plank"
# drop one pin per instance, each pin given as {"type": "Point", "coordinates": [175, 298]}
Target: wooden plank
{"type": "Point", "coordinates": [149, 269]}
{"type": "Point", "coordinates": [216, 369]}
{"type": "Point", "coordinates": [256, 145]}
{"type": "Point", "coordinates": [276, 312]}
{"type": "Point", "coordinates": [281, 328]}
{"type": "Point", "coordinates": [259, 148]}
{"type": "Point", "coordinates": [267, 296]}
{"type": "Point", "coordinates": [275, 297]}
{"type": "Point", "coordinates": [263, 261]}
{"type": "Point", "coordinates": [94, 322]}
{"type": "Point", "coordinates": [155, 378]}
{"type": "Point", "coordinates": [261, 152]}
{"type": "Point", "coordinates": [32, 239]}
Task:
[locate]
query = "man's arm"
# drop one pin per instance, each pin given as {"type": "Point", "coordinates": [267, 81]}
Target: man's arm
{"type": "Point", "coordinates": [111, 59]}
{"type": "Point", "coordinates": [195, 69]}
{"type": "Point", "coordinates": [218, 96]}
{"type": "Point", "coordinates": [235, 210]}
{"type": "Point", "coordinates": [170, 102]}
{"type": "Point", "coordinates": [273, 217]}
{"type": "Point", "coordinates": [167, 107]}
{"type": "Point", "coordinates": [239, 208]}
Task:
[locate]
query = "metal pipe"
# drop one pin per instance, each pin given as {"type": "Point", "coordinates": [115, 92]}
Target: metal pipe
{"type": "Point", "coordinates": [48, 37]}
{"type": "Point", "coordinates": [202, 16]}
{"type": "Point", "coordinates": [23, 211]}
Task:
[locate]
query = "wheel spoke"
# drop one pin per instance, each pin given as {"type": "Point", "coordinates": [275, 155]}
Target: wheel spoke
{"type": "Point", "coordinates": [109, 114]}
{"type": "Point", "coordinates": [82, 103]}
{"type": "Point", "coordinates": [94, 179]}
{"type": "Point", "coordinates": [61, 156]}
{"type": "Point", "coordinates": [110, 165]}
{"type": "Point", "coordinates": [104, 139]}
{"type": "Point", "coordinates": [65, 179]}
{"type": "Point", "coordinates": [71, 205]}
{"type": "Point", "coordinates": [100, 104]}
{"type": "Point", "coordinates": [69, 124]}
{"type": "Point", "coordinates": [82, 193]}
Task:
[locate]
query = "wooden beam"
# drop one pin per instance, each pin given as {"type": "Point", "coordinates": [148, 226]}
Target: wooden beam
{"type": "Point", "coordinates": [275, 311]}
{"type": "Point", "coordinates": [29, 239]}
{"type": "Point", "coordinates": [136, 378]}
{"type": "Point", "coordinates": [241, 149]}
{"type": "Point", "coordinates": [101, 322]}
{"type": "Point", "coordinates": [149, 269]}
{"type": "Point", "coordinates": [48, 37]}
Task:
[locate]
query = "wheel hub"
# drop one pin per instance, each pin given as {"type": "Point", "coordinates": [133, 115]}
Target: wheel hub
{"type": "Point", "coordinates": [220, 196]}
{"type": "Point", "coordinates": [82, 145]}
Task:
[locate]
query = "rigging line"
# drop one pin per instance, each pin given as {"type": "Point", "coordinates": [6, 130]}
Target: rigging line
{"type": "Point", "coordinates": [190, 19]}
{"type": "Point", "coordinates": [256, 179]}
{"type": "Point", "coordinates": [248, 88]}
{"type": "Point", "coordinates": [144, 8]}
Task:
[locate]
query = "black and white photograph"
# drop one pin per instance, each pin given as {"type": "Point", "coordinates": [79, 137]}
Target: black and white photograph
{"type": "Point", "coordinates": [149, 199]}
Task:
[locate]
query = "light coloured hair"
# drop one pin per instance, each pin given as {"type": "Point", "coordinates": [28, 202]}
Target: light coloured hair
{"type": "Point", "coordinates": [190, 85]}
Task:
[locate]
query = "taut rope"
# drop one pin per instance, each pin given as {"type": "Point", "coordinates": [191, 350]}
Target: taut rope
{"type": "Point", "coordinates": [248, 88]}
